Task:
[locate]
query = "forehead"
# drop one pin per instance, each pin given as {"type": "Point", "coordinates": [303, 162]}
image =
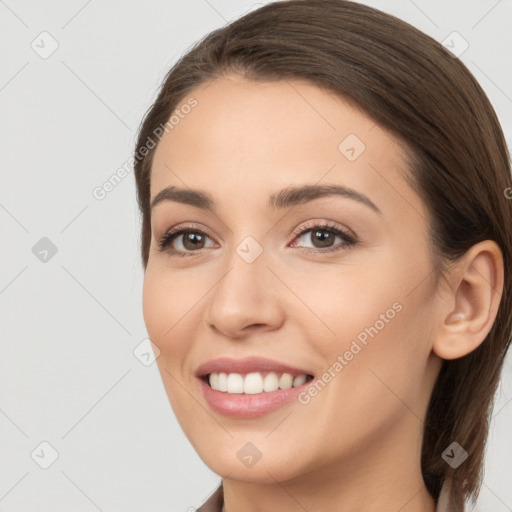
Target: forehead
{"type": "Point", "coordinates": [243, 140]}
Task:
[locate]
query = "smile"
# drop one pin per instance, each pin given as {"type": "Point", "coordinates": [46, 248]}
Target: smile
{"type": "Point", "coordinates": [250, 387]}
{"type": "Point", "coordinates": [255, 382]}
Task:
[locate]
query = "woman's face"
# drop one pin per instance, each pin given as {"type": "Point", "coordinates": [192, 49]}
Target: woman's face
{"type": "Point", "coordinates": [260, 276]}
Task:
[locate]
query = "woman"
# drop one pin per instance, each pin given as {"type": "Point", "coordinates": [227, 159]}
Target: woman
{"type": "Point", "coordinates": [327, 245]}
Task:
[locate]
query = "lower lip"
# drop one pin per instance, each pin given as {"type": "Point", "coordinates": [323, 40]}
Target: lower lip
{"type": "Point", "coordinates": [248, 406]}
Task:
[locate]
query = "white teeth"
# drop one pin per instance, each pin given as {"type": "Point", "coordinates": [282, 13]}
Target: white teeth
{"type": "Point", "coordinates": [286, 381]}
{"type": "Point", "coordinates": [254, 383]}
{"type": "Point", "coordinates": [214, 380]}
{"type": "Point", "coordinates": [271, 382]}
{"type": "Point", "coordinates": [299, 380]}
{"type": "Point", "coordinates": [223, 381]}
{"type": "Point", "coordinates": [235, 383]}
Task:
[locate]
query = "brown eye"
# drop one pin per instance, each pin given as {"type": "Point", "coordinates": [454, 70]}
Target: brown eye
{"type": "Point", "coordinates": [192, 240]}
{"type": "Point", "coordinates": [183, 241]}
{"type": "Point", "coordinates": [322, 238]}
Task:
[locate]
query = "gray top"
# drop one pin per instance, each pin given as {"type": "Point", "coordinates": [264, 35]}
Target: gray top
{"type": "Point", "coordinates": [215, 501]}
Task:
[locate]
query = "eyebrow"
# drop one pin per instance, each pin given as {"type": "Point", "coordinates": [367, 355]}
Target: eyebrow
{"type": "Point", "coordinates": [290, 196]}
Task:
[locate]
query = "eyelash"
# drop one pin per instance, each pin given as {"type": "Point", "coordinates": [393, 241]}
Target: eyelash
{"type": "Point", "coordinates": [349, 240]}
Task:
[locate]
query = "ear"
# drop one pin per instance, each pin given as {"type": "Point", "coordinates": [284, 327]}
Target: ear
{"type": "Point", "coordinates": [470, 306]}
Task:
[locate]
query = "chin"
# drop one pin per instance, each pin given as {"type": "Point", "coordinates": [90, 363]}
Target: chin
{"type": "Point", "coordinates": [243, 461]}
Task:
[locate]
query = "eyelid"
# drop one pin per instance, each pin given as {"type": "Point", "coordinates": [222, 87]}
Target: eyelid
{"type": "Point", "coordinates": [310, 224]}
{"type": "Point", "coordinates": [347, 235]}
{"type": "Point", "coordinates": [177, 231]}
{"type": "Point", "coordinates": [298, 230]}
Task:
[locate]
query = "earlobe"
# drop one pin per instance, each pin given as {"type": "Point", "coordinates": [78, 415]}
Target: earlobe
{"type": "Point", "coordinates": [472, 304]}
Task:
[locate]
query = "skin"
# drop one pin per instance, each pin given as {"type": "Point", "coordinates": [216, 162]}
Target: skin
{"type": "Point", "coordinates": [355, 446]}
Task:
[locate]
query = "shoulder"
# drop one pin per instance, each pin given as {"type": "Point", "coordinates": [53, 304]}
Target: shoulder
{"type": "Point", "coordinates": [445, 501]}
{"type": "Point", "coordinates": [214, 502]}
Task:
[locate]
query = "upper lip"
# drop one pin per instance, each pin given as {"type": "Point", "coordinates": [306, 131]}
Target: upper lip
{"type": "Point", "coordinates": [246, 365]}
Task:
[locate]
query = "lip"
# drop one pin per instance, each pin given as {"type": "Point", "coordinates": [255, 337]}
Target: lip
{"type": "Point", "coordinates": [247, 365]}
{"type": "Point", "coordinates": [248, 406]}
{"type": "Point", "coordinates": [242, 405]}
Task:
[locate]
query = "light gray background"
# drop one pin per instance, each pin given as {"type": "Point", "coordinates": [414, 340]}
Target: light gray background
{"type": "Point", "coordinates": [68, 375]}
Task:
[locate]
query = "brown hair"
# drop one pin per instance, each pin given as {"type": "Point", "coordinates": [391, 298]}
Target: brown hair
{"type": "Point", "coordinates": [457, 155]}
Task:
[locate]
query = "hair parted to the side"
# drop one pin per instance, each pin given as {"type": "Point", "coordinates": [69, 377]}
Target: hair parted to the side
{"type": "Point", "coordinates": [457, 155]}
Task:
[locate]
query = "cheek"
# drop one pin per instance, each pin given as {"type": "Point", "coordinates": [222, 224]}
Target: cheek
{"type": "Point", "coordinates": [376, 300]}
{"type": "Point", "coordinates": [153, 306]}
{"type": "Point", "coordinates": [167, 305]}
{"type": "Point", "coordinates": [357, 304]}
{"type": "Point", "coordinates": [369, 331]}
{"type": "Point", "coordinates": [165, 296]}
{"type": "Point", "coordinates": [384, 348]}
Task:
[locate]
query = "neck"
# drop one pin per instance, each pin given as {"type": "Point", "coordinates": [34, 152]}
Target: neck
{"type": "Point", "coordinates": [384, 476]}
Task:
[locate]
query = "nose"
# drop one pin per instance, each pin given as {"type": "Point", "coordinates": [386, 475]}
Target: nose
{"type": "Point", "coordinates": [245, 300]}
